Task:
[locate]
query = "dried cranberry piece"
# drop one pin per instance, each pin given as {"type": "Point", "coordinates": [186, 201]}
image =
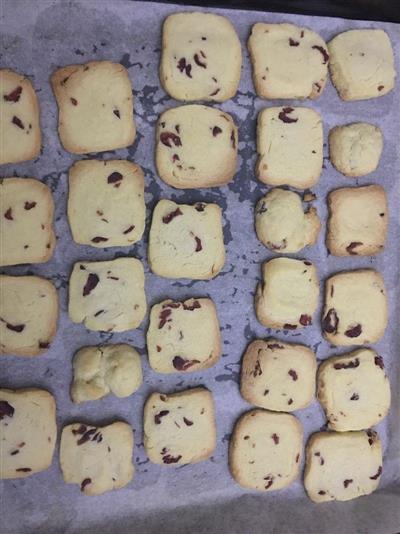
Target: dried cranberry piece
{"type": "Point", "coordinates": [257, 369]}
{"type": "Point", "coordinates": [380, 87]}
{"type": "Point", "coordinates": [158, 348]}
{"type": "Point", "coordinates": [292, 42]}
{"type": "Point", "coordinates": [187, 422]}
{"type": "Point", "coordinates": [8, 214]}
{"type": "Point", "coordinates": [283, 115]}
{"type": "Point", "coordinates": [98, 313]}
{"type": "Point", "coordinates": [216, 130]}
{"type": "Point", "coordinates": [168, 459]}
{"type": "Point", "coordinates": [91, 283]}
{"type": "Point", "coordinates": [355, 397]}
{"type": "Point", "coordinates": [305, 320]}
{"type": "Point", "coordinates": [347, 482]}
{"type": "Point", "coordinates": [321, 459]}
{"type": "Point", "coordinates": [322, 492]}
{"type": "Point", "coordinates": [15, 327]}
{"type": "Point", "coordinates": [352, 364]}
{"type": "Point", "coordinates": [330, 322]}
{"type": "Point", "coordinates": [371, 436]}
{"type": "Point", "coordinates": [6, 410]}
{"type": "Point", "coordinates": [233, 139]}
{"type": "Point", "coordinates": [18, 122]}
{"type": "Point", "coordinates": [198, 61]}
{"type": "Point", "coordinates": [273, 346]}
{"type": "Point", "coordinates": [324, 53]}
{"type": "Point", "coordinates": [288, 326]}
{"type": "Point", "coordinates": [175, 157]}
{"type": "Point", "coordinates": [293, 374]}
{"type": "Point", "coordinates": [199, 206]}
{"type": "Point", "coordinates": [275, 437]}
{"type": "Point", "coordinates": [74, 101]}
{"type": "Point", "coordinates": [269, 479]}
{"type": "Point", "coordinates": [274, 246]}
{"type": "Point", "coordinates": [115, 178]}
{"type": "Point", "coordinates": [199, 246]}
{"type": "Point", "coordinates": [379, 362]}
{"type": "Point", "coordinates": [14, 95]}
{"type": "Point", "coordinates": [378, 473]}
{"type": "Point", "coordinates": [44, 344]}
{"type": "Point", "coordinates": [182, 364]}
{"type": "Point", "coordinates": [81, 430]}
{"type": "Point", "coordinates": [85, 482]}
{"type": "Point", "coordinates": [116, 113]}
{"type": "Point", "coordinates": [350, 248]}
{"type": "Point", "coordinates": [167, 137]}
{"type": "Point", "coordinates": [129, 229]}
{"type": "Point", "coordinates": [215, 92]}
{"type": "Point", "coordinates": [354, 331]}
{"type": "Point", "coordinates": [308, 263]}
{"type": "Point", "coordinates": [168, 218]}
{"type": "Point", "coordinates": [183, 66]}
{"type": "Point", "coordinates": [297, 458]}
{"type": "Point", "coordinates": [24, 469]}
{"type": "Point", "coordinates": [99, 239]}
{"type": "Point", "coordinates": [29, 205]}
{"type": "Point", "coordinates": [318, 86]}
{"type": "Point", "coordinates": [190, 307]}
{"type": "Point", "coordinates": [164, 317]}
{"type": "Point", "coordinates": [86, 436]}
{"type": "Point", "coordinates": [174, 305]}
{"type": "Point", "coordinates": [159, 415]}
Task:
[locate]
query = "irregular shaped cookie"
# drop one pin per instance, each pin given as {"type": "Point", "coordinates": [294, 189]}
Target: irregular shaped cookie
{"type": "Point", "coordinates": [265, 450]}
{"type": "Point", "coordinates": [342, 465]}
{"type": "Point", "coordinates": [95, 106]}
{"type": "Point", "coordinates": [289, 144]}
{"type": "Point", "coordinates": [98, 459]}
{"type": "Point", "coordinates": [358, 220]}
{"type": "Point", "coordinates": [283, 224]}
{"type": "Point", "coordinates": [201, 57]}
{"type": "Point", "coordinates": [28, 431]}
{"type": "Point", "coordinates": [196, 146]}
{"type": "Point", "coordinates": [355, 311]}
{"type": "Point", "coordinates": [106, 203]}
{"type": "Point", "coordinates": [355, 149]}
{"type": "Point", "coordinates": [20, 125]}
{"type": "Point", "coordinates": [278, 376]}
{"type": "Point", "coordinates": [288, 61]}
{"type": "Point", "coordinates": [362, 64]}
{"type": "Point", "coordinates": [107, 295]}
{"type": "Point", "coordinates": [354, 390]}
{"type": "Point", "coordinates": [26, 229]}
{"type": "Point", "coordinates": [179, 428]}
{"type": "Point", "coordinates": [183, 336]}
{"type": "Point", "coordinates": [287, 297]}
{"type": "Point", "coordinates": [106, 369]}
{"type": "Point", "coordinates": [28, 315]}
{"type": "Point", "coordinates": [186, 241]}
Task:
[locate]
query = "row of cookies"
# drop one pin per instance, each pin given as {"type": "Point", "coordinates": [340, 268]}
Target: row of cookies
{"type": "Point", "coordinates": [264, 454]}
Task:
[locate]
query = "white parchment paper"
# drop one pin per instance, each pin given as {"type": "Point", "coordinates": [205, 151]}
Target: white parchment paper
{"type": "Point", "coordinates": [39, 36]}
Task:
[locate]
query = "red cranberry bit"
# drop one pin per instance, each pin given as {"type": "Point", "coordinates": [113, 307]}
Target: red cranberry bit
{"type": "Point", "coordinates": [159, 415]}
{"type": "Point", "coordinates": [91, 283]}
{"type": "Point", "coordinates": [283, 115]}
{"type": "Point", "coordinates": [269, 480]}
{"type": "Point", "coordinates": [215, 92]}
{"type": "Point", "coordinates": [129, 229]}
{"type": "Point", "coordinates": [6, 410]}
{"type": "Point", "coordinates": [167, 137]}
{"type": "Point", "coordinates": [158, 348]}
{"type": "Point", "coordinates": [354, 397]}
{"type": "Point", "coordinates": [275, 437]}
{"type": "Point", "coordinates": [88, 435]}
{"type": "Point", "coordinates": [292, 42]}
{"type": "Point", "coordinates": [380, 87]}
{"type": "Point", "coordinates": [350, 248]}
{"type": "Point", "coordinates": [174, 305]}
{"type": "Point", "coordinates": [81, 430]}
{"type": "Point", "coordinates": [233, 139]}
{"type": "Point", "coordinates": [99, 239]}
{"type": "Point", "coordinates": [14, 95]}
{"type": "Point", "coordinates": [308, 263]}
{"type": "Point", "coordinates": [216, 130]}
{"type": "Point", "coordinates": [85, 482]}
{"type": "Point", "coordinates": [199, 246]}
{"type": "Point", "coordinates": [183, 66]}
{"type": "Point", "coordinates": [198, 61]}
{"type": "Point", "coordinates": [297, 458]}
{"type": "Point", "coordinates": [168, 218]}
{"type": "Point", "coordinates": [18, 122]}
{"type": "Point", "coordinates": [175, 157]}
{"type": "Point", "coordinates": [181, 364]}
{"type": "Point", "coordinates": [330, 322]}
{"type": "Point", "coordinates": [273, 346]}
{"type": "Point", "coordinates": [288, 326]}
{"type": "Point", "coordinates": [321, 460]}
{"type": "Point", "coordinates": [378, 474]}
{"type": "Point", "coordinates": [190, 307]}
{"type": "Point", "coordinates": [371, 436]}
{"type": "Point", "coordinates": [354, 331]}
{"type": "Point", "coordinates": [293, 374]}
{"type": "Point", "coordinates": [24, 469]}
{"type": "Point", "coordinates": [44, 344]}
{"type": "Point", "coordinates": [199, 207]}
{"type": "Point", "coordinates": [164, 317]}
{"type": "Point", "coordinates": [74, 101]}
{"type": "Point", "coordinates": [302, 34]}
{"type": "Point", "coordinates": [318, 86]}
{"type": "Point", "coordinates": [324, 53]}
{"type": "Point", "coordinates": [322, 492]}
{"type": "Point", "coordinates": [15, 327]}
{"type": "Point", "coordinates": [168, 459]}
{"type": "Point", "coordinates": [305, 320]}
{"type": "Point", "coordinates": [116, 113]}
{"type": "Point", "coordinates": [290, 401]}
{"type": "Point", "coordinates": [352, 364]}
{"type": "Point", "coordinates": [115, 178]}
{"type": "Point", "coordinates": [379, 362]}
{"type": "Point", "coordinates": [8, 214]}
{"type": "Point", "coordinates": [187, 422]}
{"type": "Point", "coordinates": [29, 205]}
{"type": "Point", "coordinates": [257, 369]}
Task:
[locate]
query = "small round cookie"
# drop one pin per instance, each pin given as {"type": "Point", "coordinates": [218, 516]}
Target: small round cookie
{"type": "Point", "coordinates": [355, 149]}
{"type": "Point", "coordinates": [355, 311]}
{"type": "Point", "coordinates": [354, 390]}
{"type": "Point", "coordinates": [342, 465]}
{"type": "Point", "coordinates": [282, 224]}
{"type": "Point", "coordinates": [288, 295]}
{"type": "Point", "coordinates": [358, 221]}
{"type": "Point", "coordinates": [288, 61]}
{"type": "Point", "coordinates": [362, 64]}
{"type": "Point", "coordinates": [278, 376]}
{"type": "Point", "coordinates": [265, 450]}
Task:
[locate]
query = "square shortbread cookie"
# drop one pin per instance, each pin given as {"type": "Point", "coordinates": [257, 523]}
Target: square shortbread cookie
{"type": "Point", "coordinates": [196, 146]}
{"type": "Point", "coordinates": [201, 57]}
{"type": "Point", "coordinates": [20, 125]}
{"type": "Point", "coordinates": [186, 241]}
{"type": "Point", "coordinates": [278, 376]}
{"type": "Point", "coordinates": [105, 369]}
{"type": "Point", "coordinates": [265, 450]}
{"type": "Point", "coordinates": [98, 459]}
{"type": "Point", "coordinates": [183, 336]}
{"type": "Point", "coordinates": [288, 295]}
{"type": "Point", "coordinates": [342, 465]}
{"type": "Point", "coordinates": [362, 64]}
{"type": "Point", "coordinates": [354, 390]}
{"type": "Point", "coordinates": [355, 149]}
{"type": "Point", "coordinates": [106, 203]}
{"type": "Point", "coordinates": [95, 106]}
{"type": "Point", "coordinates": [28, 431]}
{"type": "Point", "coordinates": [28, 315]}
{"type": "Point", "coordinates": [355, 311]}
{"type": "Point", "coordinates": [289, 144]}
{"type": "Point", "coordinates": [288, 61]}
{"type": "Point", "coordinates": [282, 224]}
{"type": "Point", "coordinates": [179, 428]}
{"type": "Point", "coordinates": [26, 230]}
{"type": "Point", "coordinates": [108, 295]}
{"type": "Point", "coordinates": [358, 220]}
